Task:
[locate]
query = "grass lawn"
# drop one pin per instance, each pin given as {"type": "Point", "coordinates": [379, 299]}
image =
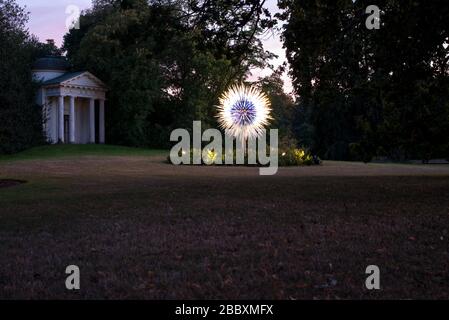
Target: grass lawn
{"type": "Point", "coordinates": [140, 228]}
{"type": "Point", "coordinates": [67, 150]}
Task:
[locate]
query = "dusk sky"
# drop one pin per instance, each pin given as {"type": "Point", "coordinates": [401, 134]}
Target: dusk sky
{"type": "Point", "coordinates": [48, 20]}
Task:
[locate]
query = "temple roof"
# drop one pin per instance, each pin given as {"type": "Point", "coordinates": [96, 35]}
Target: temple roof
{"type": "Point", "coordinates": [82, 79]}
{"type": "Point", "coordinates": [64, 77]}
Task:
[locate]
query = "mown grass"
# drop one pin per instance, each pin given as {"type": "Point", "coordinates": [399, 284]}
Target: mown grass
{"type": "Point", "coordinates": [140, 228]}
{"type": "Point", "coordinates": [68, 150]}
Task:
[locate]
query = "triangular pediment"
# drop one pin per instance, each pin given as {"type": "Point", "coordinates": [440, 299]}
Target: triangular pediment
{"type": "Point", "coordinates": [85, 79]}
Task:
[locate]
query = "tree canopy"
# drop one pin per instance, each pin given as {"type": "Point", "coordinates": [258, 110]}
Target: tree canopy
{"type": "Point", "coordinates": [365, 93]}
{"type": "Point", "coordinates": [166, 62]}
{"type": "Point", "coordinates": [20, 118]}
{"type": "Point", "coordinates": [360, 93]}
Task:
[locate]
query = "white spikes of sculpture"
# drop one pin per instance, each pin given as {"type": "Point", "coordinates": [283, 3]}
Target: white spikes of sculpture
{"type": "Point", "coordinates": [243, 112]}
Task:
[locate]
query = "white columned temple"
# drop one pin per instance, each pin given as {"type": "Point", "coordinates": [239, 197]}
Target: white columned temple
{"type": "Point", "coordinates": [73, 102]}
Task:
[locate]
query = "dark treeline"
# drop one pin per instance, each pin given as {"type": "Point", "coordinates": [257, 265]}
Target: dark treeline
{"type": "Point", "coordinates": [166, 62]}
{"type": "Point", "coordinates": [20, 117]}
{"type": "Point", "coordinates": [359, 93]}
{"type": "Point", "coordinates": [365, 93]}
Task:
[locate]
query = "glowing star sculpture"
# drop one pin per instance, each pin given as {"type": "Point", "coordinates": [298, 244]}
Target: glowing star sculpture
{"type": "Point", "coordinates": [244, 111]}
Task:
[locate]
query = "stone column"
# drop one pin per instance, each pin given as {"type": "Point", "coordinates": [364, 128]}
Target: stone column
{"type": "Point", "coordinates": [92, 120]}
{"type": "Point", "coordinates": [43, 97]}
{"type": "Point", "coordinates": [72, 119]}
{"type": "Point", "coordinates": [101, 116]}
{"type": "Point", "coordinates": [61, 119]}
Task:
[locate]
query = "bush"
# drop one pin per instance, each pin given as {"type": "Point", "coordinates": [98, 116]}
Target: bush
{"type": "Point", "coordinates": [287, 157]}
{"type": "Point", "coordinates": [338, 151]}
{"type": "Point", "coordinates": [359, 152]}
{"type": "Point", "coordinates": [212, 156]}
{"type": "Point", "coordinates": [297, 157]}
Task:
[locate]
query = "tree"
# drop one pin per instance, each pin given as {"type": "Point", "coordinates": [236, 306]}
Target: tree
{"type": "Point", "coordinates": [367, 92]}
{"type": "Point", "coordinates": [282, 104]}
{"type": "Point", "coordinates": [20, 117]}
{"type": "Point", "coordinates": [166, 62]}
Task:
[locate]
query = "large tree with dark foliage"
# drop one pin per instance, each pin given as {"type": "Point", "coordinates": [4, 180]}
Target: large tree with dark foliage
{"type": "Point", "coordinates": [166, 62]}
{"type": "Point", "coordinates": [20, 117]}
{"type": "Point", "coordinates": [282, 105]}
{"type": "Point", "coordinates": [365, 92]}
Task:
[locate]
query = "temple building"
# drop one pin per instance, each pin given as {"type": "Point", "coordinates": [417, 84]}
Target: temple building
{"type": "Point", "coordinates": [73, 103]}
